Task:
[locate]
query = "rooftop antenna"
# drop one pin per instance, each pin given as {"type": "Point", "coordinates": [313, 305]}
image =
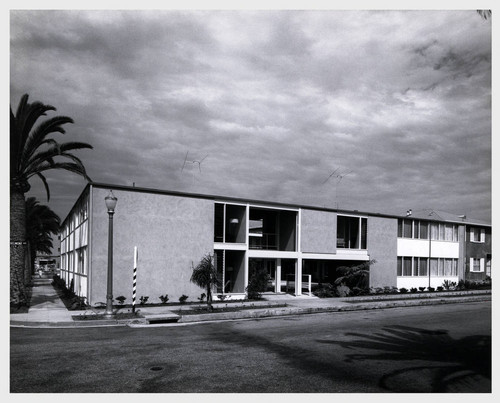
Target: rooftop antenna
{"type": "Point", "coordinates": [193, 162]}
{"type": "Point", "coordinates": [338, 176]}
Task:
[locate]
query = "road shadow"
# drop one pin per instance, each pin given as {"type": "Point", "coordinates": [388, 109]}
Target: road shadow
{"type": "Point", "coordinates": [461, 365]}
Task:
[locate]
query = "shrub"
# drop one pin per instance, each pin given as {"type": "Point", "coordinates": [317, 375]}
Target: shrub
{"type": "Point", "coordinates": [390, 290]}
{"type": "Point", "coordinates": [439, 288]}
{"type": "Point", "coordinates": [183, 298]}
{"type": "Point", "coordinates": [464, 285]}
{"type": "Point", "coordinates": [164, 298]}
{"type": "Point", "coordinates": [356, 291]}
{"type": "Point", "coordinates": [430, 289]}
{"type": "Point", "coordinates": [343, 291]}
{"type": "Point", "coordinates": [78, 303]}
{"type": "Point", "coordinates": [121, 299]}
{"type": "Point", "coordinates": [201, 298]}
{"type": "Point", "coordinates": [449, 285]}
{"type": "Point", "coordinates": [222, 297]}
{"type": "Point", "coordinates": [413, 290]}
{"type": "Point", "coordinates": [356, 276]}
{"type": "Point", "coordinates": [257, 282]}
{"type": "Point", "coordinates": [422, 289]}
{"type": "Point", "coordinates": [376, 290]}
{"type": "Point", "coordinates": [403, 290]}
{"type": "Point", "coordinates": [325, 291]}
{"type": "Point", "coordinates": [143, 300]}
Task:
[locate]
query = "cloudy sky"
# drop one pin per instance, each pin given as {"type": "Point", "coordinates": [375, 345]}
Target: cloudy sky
{"type": "Point", "coordinates": [397, 104]}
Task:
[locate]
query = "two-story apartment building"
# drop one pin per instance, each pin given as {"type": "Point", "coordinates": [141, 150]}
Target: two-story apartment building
{"type": "Point", "coordinates": [298, 245]}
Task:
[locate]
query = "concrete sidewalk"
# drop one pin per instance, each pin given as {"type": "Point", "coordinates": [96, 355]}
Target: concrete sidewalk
{"type": "Point", "coordinates": [48, 310]}
{"type": "Point", "coordinates": [46, 306]}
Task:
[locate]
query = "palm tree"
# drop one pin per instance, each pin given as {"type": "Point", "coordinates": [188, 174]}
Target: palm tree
{"type": "Point", "coordinates": [31, 154]}
{"type": "Point", "coordinates": [41, 222]}
{"type": "Point", "coordinates": [205, 276]}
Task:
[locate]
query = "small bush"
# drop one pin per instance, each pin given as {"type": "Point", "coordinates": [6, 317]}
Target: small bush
{"type": "Point", "coordinates": [121, 299]}
{"type": "Point", "coordinates": [431, 289]}
{"type": "Point", "coordinates": [390, 290]}
{"type": "Point", "coordinates": [164, 298]}
{"type": "Point", "coordinates": [77, 303]}
{"type": "Point", "coordinates": [343, 291]}
{"type": "Point", "coordinates": [201, 298]}
{"type": "Point", "coordinates": [222, 297]}
{"type": "Point", "coordinates": [403, 290]}
{"type": "Point", "coordinates": [422, 289]}
{"type": "Point", "coordinates": [257, 283]}
{"type": "Point", "coordinates": [183, 298]}
{"type": "Point", "coordinates": [449, 285]}
{"type": "Point", "coordinates": [439, 288]}
{"type": "Point", "coordinates": [325, 291]}
{"type": "Point", "coordinates": [413, 290]}
{"type": "Point", "coordinates": [376, 290]}
{"type": "Point", "coordinates": [357, 291]}
{"type": "Point", "coordinates": [143, 300]}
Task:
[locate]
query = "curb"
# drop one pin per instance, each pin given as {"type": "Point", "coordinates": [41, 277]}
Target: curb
{"type": "Point", "coordinates": [264, 313]}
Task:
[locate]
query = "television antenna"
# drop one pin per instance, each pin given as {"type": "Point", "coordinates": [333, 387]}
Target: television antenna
{"type": "Point", "coordinates": [193, 162]}
{"type": "Point", "coordinates": [338, 176]}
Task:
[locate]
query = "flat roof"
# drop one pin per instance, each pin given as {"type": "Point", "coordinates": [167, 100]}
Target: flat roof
{"type": "Point", "coordinates": [218, 198]}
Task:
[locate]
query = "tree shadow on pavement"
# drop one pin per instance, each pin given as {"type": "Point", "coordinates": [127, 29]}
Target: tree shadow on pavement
{"type": "Point", "coordinates": [467, 361]}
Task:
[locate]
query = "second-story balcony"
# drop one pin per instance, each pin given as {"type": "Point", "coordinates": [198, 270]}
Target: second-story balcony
{"type": "Point", "coordinates": [265, 241]}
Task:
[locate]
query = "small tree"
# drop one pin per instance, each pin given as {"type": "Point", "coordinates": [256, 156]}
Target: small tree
{"type": "Point", "coordinates": [355, 276]}
{"type": "Point", "coordinates": [205, 276]}
{"type": "Point", "coordinates": [257, 283]}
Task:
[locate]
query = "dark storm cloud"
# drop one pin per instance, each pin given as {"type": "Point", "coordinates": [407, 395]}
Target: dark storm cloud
{"type": "Point", "coordinates": [275, 100]}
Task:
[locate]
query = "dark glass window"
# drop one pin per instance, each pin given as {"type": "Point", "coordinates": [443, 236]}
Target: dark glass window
{"type": "Point", "coordinates": [219, 223]}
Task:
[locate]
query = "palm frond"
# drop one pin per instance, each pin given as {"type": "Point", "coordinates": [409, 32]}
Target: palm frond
{"type": "Point", "coordinates": [45, 184]}
{"type": "Point", "coordinates": [35, 139]}
{"type": "Point", "coordinates": [67, 166]}
{"type": "Point", "coordinates": [46, 158]}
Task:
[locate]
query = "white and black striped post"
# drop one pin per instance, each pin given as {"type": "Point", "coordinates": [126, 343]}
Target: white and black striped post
{"type": "Point", "coordinates": [134, 284]}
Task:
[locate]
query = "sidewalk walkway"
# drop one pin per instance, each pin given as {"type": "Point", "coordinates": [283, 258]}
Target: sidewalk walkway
{"type": "Point", "coordinates": [46, 305]}
{"type": "Point", "coordinates": [47, 309]}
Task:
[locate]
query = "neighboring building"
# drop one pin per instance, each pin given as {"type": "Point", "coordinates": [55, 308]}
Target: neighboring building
{"type": "Point", "coordinates": [477, 252]}
{"type": "Point", "coordinates": [298, 245]}
{"type": "Point", "coordinates": [434, 246]}
{"type": "Point", "coordinates": [47, 262]}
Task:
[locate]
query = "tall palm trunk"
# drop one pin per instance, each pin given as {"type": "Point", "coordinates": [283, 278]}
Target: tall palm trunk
{"type": "Point", "coordinates": [17, 246]}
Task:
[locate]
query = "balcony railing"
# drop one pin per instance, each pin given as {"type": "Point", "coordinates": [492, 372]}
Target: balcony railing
{"type": "Point", "coordinates": [263, 241]}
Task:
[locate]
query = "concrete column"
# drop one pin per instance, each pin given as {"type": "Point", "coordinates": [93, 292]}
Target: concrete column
{"type": "Point", "coordinates": [277, 287]}
{"type": "Point", "coordinates": [298, 277]}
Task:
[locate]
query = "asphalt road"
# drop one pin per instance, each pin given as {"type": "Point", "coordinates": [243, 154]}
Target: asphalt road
{"type": "Point", "coordinates": [442, 348]}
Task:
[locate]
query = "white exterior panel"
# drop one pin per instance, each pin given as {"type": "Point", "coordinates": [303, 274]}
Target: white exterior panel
{"type": "Point", "coordinates": [420, 248]}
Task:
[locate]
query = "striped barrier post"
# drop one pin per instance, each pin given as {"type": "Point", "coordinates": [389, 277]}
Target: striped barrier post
{"type": "Point", "coordinates": [134, 283]}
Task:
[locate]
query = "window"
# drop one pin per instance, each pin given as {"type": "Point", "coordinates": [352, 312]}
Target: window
{"type": "Point", "coordinates": [407, 266]}
{"type": "Point", "coordinates": [434, 231]}
{"type": "Point", "coordinates": [407, 229]}
{"type": "Point", "coordinates": [434, 267]}
{"type": "Point", "coordinates": [219, 223]}
{"type": "Point", "coordinates": [439, 267]}
{"type": "Point", "coordinates": [351, 232]}
{"type": "Point", "coordinates": [421, 266]}
{"type": "Point", "coordinates": [476, 265]}
{"type": "Point", "coordinates": [448, 232]}
{"type": "Point", "coordinates": [477, 234]}
{"type": "Point", "coordinates": [424, 227]}
{"type": "Point", "coordinates": [417, 229]}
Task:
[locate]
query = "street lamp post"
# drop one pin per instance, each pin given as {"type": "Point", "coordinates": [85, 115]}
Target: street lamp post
{"type": "Point", "coordinates": [110, 201]}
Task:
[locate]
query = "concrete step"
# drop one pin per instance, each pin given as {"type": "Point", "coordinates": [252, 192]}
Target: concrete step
{"type": "Point", "coordinates": [161, 318]}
